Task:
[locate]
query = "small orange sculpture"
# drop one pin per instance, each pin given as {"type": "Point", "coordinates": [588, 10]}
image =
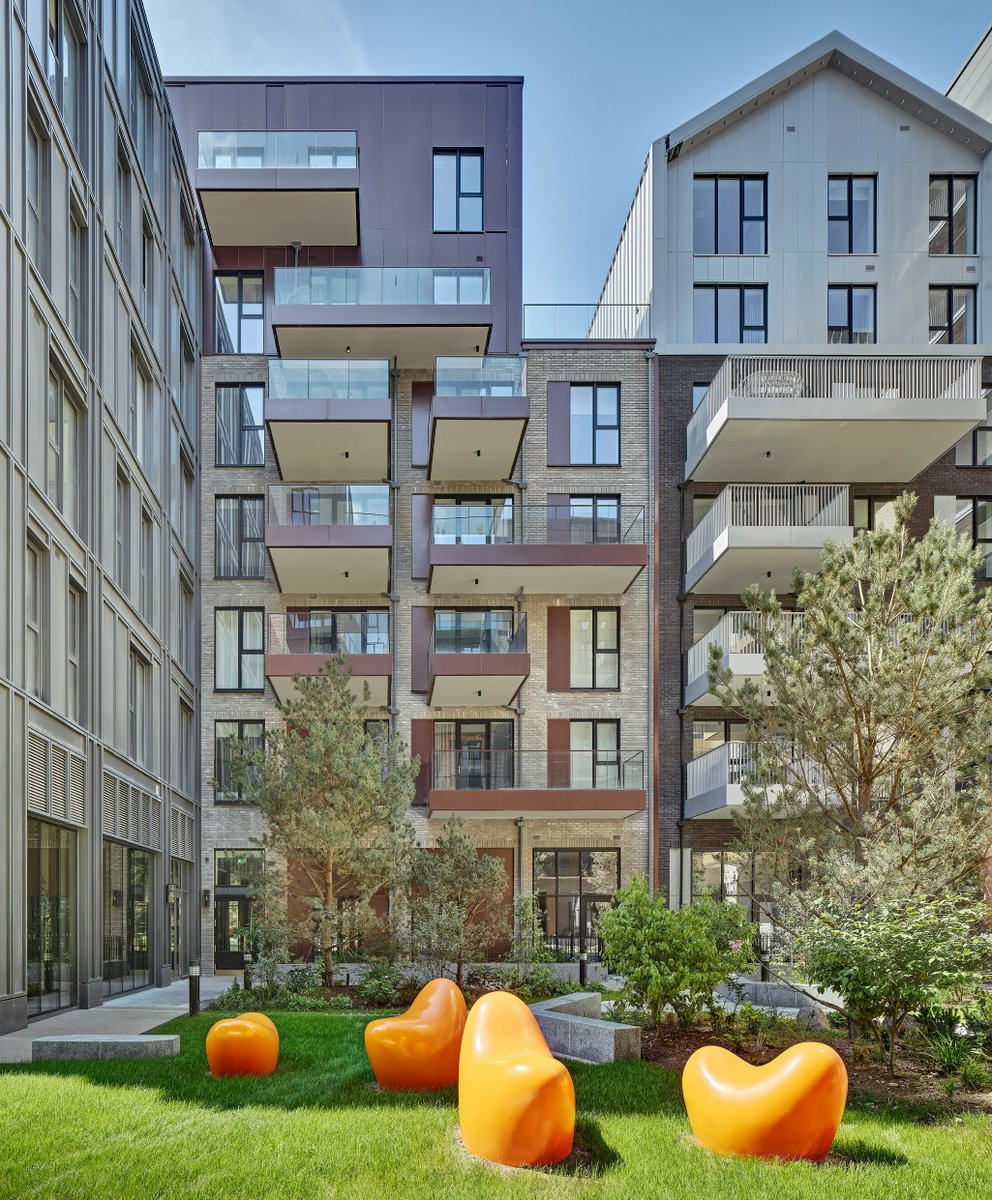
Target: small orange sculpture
{"type": "Point", "coordinates": [418, 1051]}
{"type": "Point", "coordinates": [516, 1102]}
{"type": "Point", "coordinates": [245, 1045]}
{"type": "Point", "coordinates": [789, 1108]}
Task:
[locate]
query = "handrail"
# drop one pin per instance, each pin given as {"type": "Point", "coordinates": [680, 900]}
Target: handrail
{"type": "Point", "coordinates": [733, 634]}
{"type": "Point", "coordinates": [489, 643]}
{"type": "Point", "coordinates": [329, 504]}
{"type": "Point", "coordinates": [265, 149]}
{"type": "Point", "coordinates": [381, 285]}
{"type": "Point", "coordinates": [285, 630]}
{"type": "Point", "coordinates": [538, 524]}
{"type": "Point", "coordinates": [468, 769]}
{"type": "Point", "coordinates": [479, 375]}
{"type": "Point", "coordinates": [328, 379]}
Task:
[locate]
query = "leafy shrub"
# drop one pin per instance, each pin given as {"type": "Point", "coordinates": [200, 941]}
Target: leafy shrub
{"type": "Point", "coordinates": [380, 986]}
{"type": "Point", "coordinates": [303, 979]}
{"type": "Point", "coordinates": [341, 1002]}
{"type": "Point", "coordinates": [948, 1052]}
{"type": "Point", "coordinates": [974, 1075]}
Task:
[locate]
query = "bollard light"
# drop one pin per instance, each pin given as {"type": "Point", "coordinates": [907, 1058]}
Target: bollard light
{"type": "Point", "coordinates": [194, 989]}
{"type": "Point", "coordinates": [583, 966]}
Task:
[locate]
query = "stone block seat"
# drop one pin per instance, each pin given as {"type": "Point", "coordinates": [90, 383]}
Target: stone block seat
{"type": "Point", "coordinates": [572, 1028]}
{"type": "Point", "coordinates": [79, 1046]}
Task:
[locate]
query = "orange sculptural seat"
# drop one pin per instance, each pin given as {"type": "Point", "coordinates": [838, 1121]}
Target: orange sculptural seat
{"type": "Point", "coordinates": [245, 1045]}
{"type": "Point", "coordinates": [788, 1108]}
{"type": "Point", "coordinates": [418, 1051]}
{"type": "Point", "coordinates": [516, 1102]}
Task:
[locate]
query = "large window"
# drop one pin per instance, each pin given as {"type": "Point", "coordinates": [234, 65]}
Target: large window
{"type": "Point", "coordinates": [729, 214]}
{"type": "Point", "coordinates": [236, 872]}
{"type": "Point", "coordinates": [458, 191]}
{"type": "Point", "coordinates": [147, 297]}
{"type": "Point", "coordinates": [122, 210]}
{"type": "Point", "coordinates": [139, 406]}
{"type": "Point", "coordinates": [238, 313]}
{"type": "Point", "coordinates": [711, 735]}
{"type": "Point", "coordinates": [239, 650]}
{"type": "Point", "coordinates": [142, 114]}
{"type": "Point", "coordinates": [729, 313]}
{"type": "Point", "coordinates": [229, 736]}
{"type": "Point", "coordinates": [240, 426]}
{"type": "Point", "coordinates": [77, 273]}
{"type": "Point", "coordinates": [239, 545]}
{"type": "Point", "coordinates": [973, 519]}
{"type": "Point", "coordinates": [594, 424]}
{"type": "Point", "coordinates": [122, 532]}
{"type": "Point", "coordinates": [874, 512]}
{"type": "Point", "coordinates": [127, 885]}
{"type": "Point", "coordinates": [594, 519]}
{"type": "Point", "coordinates": [38, 195]}
{"type": "Point", "coordinates": [472, 630]}
{"type": "Point", "coordinates": [34, 578]}
{"type": "Point", "coordinates": [66, 61]}
{"type": "Point", "coordinates": [65, 444]}
{"type": "Point", "coordinates": [472, 520]}
{"type": "Point", "coordinates": [594, 648]}
{"type": "Point", "coordinates": [186, 627]}
{"type": "Point", "coordinates": [850, 315]}
{"type": "Point", "coordinates": [952, 316]}
{"type": "Point", "coordinates": [851, 214]}
{"type": "Point", "coordinates": [146, 565]}
{"type": "Point", "coordinates": [186, 748]}
{"type": "Point", "coordinates": [329, 630]}
{"type": "Point", "coordinates": [50, 870]}
{"type": "Point", "coordinates": [138, 698]}
{"type": "Point", "coordinates": [473, 754]}
{"type": "Point", "coordinates": [573, 888]}
{"type": "Point", "coordinates": [953, 221]}
{"type": "Point", "coordinates": [595, 754]}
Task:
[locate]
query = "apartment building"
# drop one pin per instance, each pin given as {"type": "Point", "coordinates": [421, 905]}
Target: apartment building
{"type": "Point", "coordinates": [392, 472]}
{"type": "Point", "coordinates": [810, 256]}
{"type": "Point", "coordinates": [99, 461]}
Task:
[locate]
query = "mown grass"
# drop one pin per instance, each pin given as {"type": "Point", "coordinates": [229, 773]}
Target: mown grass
{"type": "Point", "coordinates": [316, 1129]}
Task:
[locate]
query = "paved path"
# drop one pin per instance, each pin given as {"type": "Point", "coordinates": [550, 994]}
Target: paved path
{"type": "Point", "coordinates": [137, 1012]}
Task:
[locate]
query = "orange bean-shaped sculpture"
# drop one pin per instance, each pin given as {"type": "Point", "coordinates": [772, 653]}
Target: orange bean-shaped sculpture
{"type": "Point", "coordinates": [418, 1051]}
{"type": "Point", "coordinates": [516, 1102]}
{"type": "Point", "coordinates": [243, 1046]}
{"type": "Point", "coordinates": [788, 1108]}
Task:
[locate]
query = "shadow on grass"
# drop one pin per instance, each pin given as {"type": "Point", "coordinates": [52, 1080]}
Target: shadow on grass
{"type": "Point", "coordinates": [856, 1151]}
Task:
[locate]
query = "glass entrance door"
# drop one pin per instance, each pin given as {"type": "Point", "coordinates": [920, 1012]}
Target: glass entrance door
{"type": "Point", "coordinates": [179, 919]}
{"type": "Point", "coordinates": [51, 917]}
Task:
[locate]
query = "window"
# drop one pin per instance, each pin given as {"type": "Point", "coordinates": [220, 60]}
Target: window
{"type": "Point", "coordinates": [728, 313]}
{"type": "Point", "coordinates": [473, 630]}
{"type": "Point", "coordinates": [874, 512]}
{"type": "Point", "coordinates": [952, 316]}
{"type": "Point", "coordinates": [458, 191]}
{"type": "Point", "coordinates": [228, 736]}
{"type": "Point", "coordinates": [239, 651]}
{"type": "Point", "coordinates": [699, 390]}
{"type": "Point", "coordinates": [74, 653]}
{"type": "Point", "coordinates": [236, 872]}
{"type": "Point", "coordinates": [594, 519]}
{"type": "Point", "coordinates": [721, 875]}
{"type": "Point", "coordinates": [711, 735]}
{"type": "Point", "coordinates": [595, 754]}
{"type": "Point", "coordinates": [594, 424]}
{"type": "Point", "coordinates": [953, 223]}
{"type": "Point", "coordinates": [851, 227]}
{"type": "Point", "coordinates": [328, 630]}
{"type": "Point", "coordinates": [64, 450]}
{"type": "Point", "coordinates": [187, 257]}
{"type": "Point", "coordinates": [38, 196]}
{"type": "Point", "coordinates": [142, 114]}
{"type": "Point", "coordinates": [33, 619]}
{"type": "Point", "coordinates": [237, 868]}
{"type": "Point", "coordinates": [186, 627]}
{"type": "Point", "coordinates": [574, 887]}
{"type": "Point", "coordinates": [139, 677]}
{"type": "Point", "coordinates": [238, 313]}
{"type": "Point", "coordinates": [850, 315]}
{"type": "Point", "coordinates": [704, 620]}
{"type": "Point", "coordinates": [461, 285]}
{"type": "Point", "coordinates": [146, 564]}
{"type": "Point", "coordinates": [77, 273]}
{"type": "Point", "coordinates": [147, 274]}
{"type": "Point", "coordinates": [240, 428]}
{"type": "Point", "coordinates": [472, 520]}
{"type": "Point", "coordinates": [594, 648]}
{"type": "Point", "coordinates": [122, 532]}
{"type": "Point", "coordinates": [729, 214]}
{"type": "Point", "coordinates": [473, 754]}
{"type": "Point", "coordinates": [187, 503]}
{"type": "Point", "coordinates": [122, 210]}
{"type": "Point", "coordinates": [66, 69]}
{"type": "Point", "coordinates": [973, 519]}
{"type": "Point", "coordinates": [187, 385]}
{"type": "Point", "coordinates": [239, 545]}
{"type": "Point", "coordinates": [138, 408]}
{"type": "Point", "coordinates": [186, 747]}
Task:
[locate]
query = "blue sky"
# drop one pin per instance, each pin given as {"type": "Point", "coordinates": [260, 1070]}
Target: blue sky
{"type": "Point", "coordinates": [603, 79]}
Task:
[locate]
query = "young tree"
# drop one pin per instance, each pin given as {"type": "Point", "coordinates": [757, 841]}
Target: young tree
{"type": "Point", "coordinates": [457, 902]}
{"type": "Point", "coordinates": [334, 798]}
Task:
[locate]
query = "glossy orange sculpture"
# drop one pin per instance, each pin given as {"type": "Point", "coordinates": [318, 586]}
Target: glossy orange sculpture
{"type": "Point", "coordinates": [418, 1051]}
{"type": "Point", "coordinates": [516, 1102]}
{"type": "Point", "coordinates": [788, 1108]}
{"type": "Point", "coordinates": [245, 1045]}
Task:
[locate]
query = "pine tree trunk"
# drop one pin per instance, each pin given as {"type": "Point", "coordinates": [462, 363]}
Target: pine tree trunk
{"type": "Point", "coordinates": [328, 923]}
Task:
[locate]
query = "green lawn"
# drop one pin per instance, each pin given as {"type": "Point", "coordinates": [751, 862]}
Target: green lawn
{"type": "Point", "coordinates": [316, 1129]}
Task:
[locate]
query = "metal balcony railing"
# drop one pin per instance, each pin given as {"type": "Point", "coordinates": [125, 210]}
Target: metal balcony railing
{"type": "Point", "coordinates": [328, 632]}
{"type": "Point", "coordinates": [265, 149]}
{"type": "Point", "coordinates": [733, 762]}
{"type": "Point", "coordinates": [582, 322]}
{"type": "Point", "coordinates": [489, 375]}
{"type": "Point", "coordinates": [733, 636]}
{"type": "Point", "coordinates": [329, 504]}
{"type": "Point", "coordinates": [482, 638]}
{"type": "Point", "coordinates": [536, 524]}
{"type": "Point", "coordinates": [381, 285]}
{"type": "Point", "coordinates": [470, 769]}
{"type": "Point", "coordinates": [328, 379]}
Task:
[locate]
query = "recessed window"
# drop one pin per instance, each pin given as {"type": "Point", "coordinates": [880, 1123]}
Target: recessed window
{"type": "Point", "coordinates": [953, 222]}
{"type": "Point", "coordinates": [77, 273]}
{"type": "Point", "coordinates": [240, 428]}
{"type": "Point", "coordinates": [122, 532]}
{"type": "Point", "coordinates": [187, 385]}
{"type": "Point", "coordinates": [239, 546]}
{"type": "Point", "coordinates": [146, 565]}
{"type": "Point", "coordinates": [458, 191]}
{"type": "Point", "coordinates": [594, 520]}
{"type": "Point", "coordinates": [33, 618]}
{"type": "Point", "coordinates": [239, 650]}
{"type": "Point", "coordinates": [142, 113]}
{"type": "Point", "coordinates": [850, 315]}
{"type": "Point", "coordinates": [711, 735]}
{"type": "Point", "coordinates": [74, 652]}
{"type": "Point", "coordinates": [185, 627]}
{"type": "Point", "coordinates": [139, 408]}
{"type": "Point", "coordinates": [851, 214]}
{"type": "Point", "coordinates": [729, 214]}
{"type": "Point", "coordinates": [573, 888]}
{"type": "Point", "coordinates": [229, 738]}
{"type": "Point", "coordinates": [122, 210]}
{"type": "Point", "coordinates": [874, 512]}
{"type": "Point", "coordinates": [952, 316]}
{"type": "Point", "coordinates": [186, 749]}
{"type": "Point", "coordinates": [727, 313]}
{"type": "Point", "coordinates": [139, 684]}
{"type": "Point", "coordinates": [238, 312]}
{"type": "Point", "coordinates": [973, 519]}
{"type": "Point", "coordinates": [473, 754]}
{"type": "Point", "coordinates": [38, 196]}
{"type": "Point", "coordinates": [594, 424]}
{"type": "Point", "coordinates": [595, 754]}
{"type": "Point", "coordinates": [594, 648]}
{"type": "Point", "coordinates": [699, 390]}
{"type": "Point", "coordinates": [65, 445]}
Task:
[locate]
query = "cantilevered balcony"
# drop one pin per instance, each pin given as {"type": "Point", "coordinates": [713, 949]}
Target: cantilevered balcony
{"type": "Point", "coordinates": [852, 416]}
{"type": "Point", "coordinates": [478, 416]}
{"type": "Point", "coordinates": [478, 662]}
{"type": "Point", "coordinates": [412, 313]}
{"type": "Point", "coordinates": [328, 419]}
{"type": "Point", "coordinates": [330, 540]}
{"type": "Point", "coordinates": [741, 652]}
{"type": "Point", "coordinates": [759, 533]}
{"type": "Point", "coordinates": [536, 783]}
{"type": "Point", "coordinates": [271, 188]}
{"type": "Point", "coordinates": [715, 781]}
{"type": "Point", "coordinates": [501, 549]}
{"type": "Point", "coordinates": [301, 641]}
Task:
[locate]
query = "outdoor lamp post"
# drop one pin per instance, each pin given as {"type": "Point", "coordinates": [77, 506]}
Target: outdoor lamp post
{"type": "Point", "coordinates": [194, 989]}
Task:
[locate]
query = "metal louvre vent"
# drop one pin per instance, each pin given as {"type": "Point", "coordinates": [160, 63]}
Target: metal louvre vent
{"type": "Point", "coordinates": [155, 832]}
{"type": "Point", "coordinates": [37, 773]}
{"type": "Point", "coordinates": [77, 790]}
{"type": "Point", "coordinates": [182, 835]}
{"type": "Point", "coordinates": [130, 813]}
{"type": "Point", "coordinates": [60, 774]}
{"type": "Point", "coordinates": [56, 785]}
{"type": "Point", "coordinates": [109, 804]}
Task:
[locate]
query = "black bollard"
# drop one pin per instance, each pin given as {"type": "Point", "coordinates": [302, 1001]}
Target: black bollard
{"type": "Point", "coordinates": [194, 989]}
{"type": "Point", "coordinates": [583, 966]}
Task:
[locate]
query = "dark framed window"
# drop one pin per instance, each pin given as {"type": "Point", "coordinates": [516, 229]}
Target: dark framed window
{"type": "Point", "coordinates": [595, 754]}
{"type": "Point", "coordinates": [730, 877]}
{"type": "Point", "coordinates": [127, 921]}
{"type": "Point", "coordinates": [594, 648]}
{"type": "Point", "coordinates": [458, 191]}
{"type": "Point", "coordinates": [228, 737]}
{"type": "Point", "coordinates": [76, 600]}
{"type": "Point", "coordinates": [239, 541]}
{"type": "Point", "coordinates": [122, 209]}
{"type": "Point", "coordinates": [238, 313]}
{"type": "Point", "coordinates": [236, 872]}
{"type": "Point", "coordinates": [473, 630]}
{"type": "Point", "coordinates": [594, 519]}
{"type": "Point", "coordinates": [874, 512]}
{"type": "Point", "coordinates": [850, 315]}
{"type": "Point", "coordinates": [953, 214]}
{"type": "Point", "coordinates": [729, 214]}
{"type": "Point", "coordinates": [705, 620]}
{"type": "Point", "coordinates": [472, 520]}
{"type": "Point", "coordinates": [851, 218]}
{"type": "Point", "coordinates": [66, 443]}
{"type": "Point", "coordinates": [711, 735]}
{"type": "Point", "coordinates": [328, 630]}
{"type": "Point", "coordinates": [952, 316]}
{"type": "Point", "coordinates": [573, 888]}
{"type": "Point", "coordinates": [594, 424]}
{"type": "Point", "coordinates": [66, 68]}
{"type": "Point", "coordinates": [239, 649]}
{"type": "Point", "coordinates": [76, 273]}
{"type": "Point", "coordinates": [139, 696]}
{"type": "Point", "coordinates": [38, 193]}
{"type": "Point", "coordinates": [729, 313]}
{"type": "Point", "coordinates": [981, 446]}
{"type": "Point", "coordinates": [240, 426]}
{"type": "Point", "coordinates": [237, 868]}
{"type": "Point", "coordinates": [473, 754]}
{"type": "Point", "coordinates": [699, 390]}
{"type": "Point", "coordinates": [973, 519]}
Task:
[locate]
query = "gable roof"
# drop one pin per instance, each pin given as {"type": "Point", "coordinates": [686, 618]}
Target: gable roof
{"type": "Point", "coordinates": [841, 54]}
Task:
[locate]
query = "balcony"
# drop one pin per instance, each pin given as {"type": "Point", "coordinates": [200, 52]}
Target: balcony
{"type": "Point", "coordinates": [480, 666]}
{"type": "Point", "coordinates": [273, 188]}
{"type": "Point", "coordinates": [489, 549]}
{"type": "Point", "coordinates": [478, 417]}
{"type": "Point", "coordinates": [330, 540]}
{"type": "Point", "coordinates": [759, 533]}
{"type": "Point", "coordinates": [414, 313]}
{"type": "Point", "coordinates": [587, 322]}
{"type": "Point", "coordinates": [854, 416]}
{"type": "Point", "coordinates": [741, 652]}
{"type": "Point", "coordinates": [536, 783]}
{"type": "Point", "coordinates": [300, 643]}
{"type": "Point", "coordinates": [715, 781]}
{"type": "Point", "coordinates": [328, 419]}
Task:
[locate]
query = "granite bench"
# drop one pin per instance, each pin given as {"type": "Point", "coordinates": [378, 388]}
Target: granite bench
{"type": "Point", "coordinates": [572, 1028]}
{"type": "Point", "coordinates": [80, 1046]}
